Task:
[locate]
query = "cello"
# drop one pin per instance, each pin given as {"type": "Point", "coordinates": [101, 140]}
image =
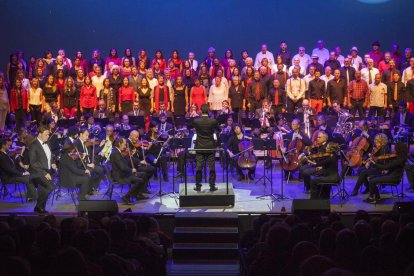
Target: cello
{"type": "Point", "coordinates": [291, 161]}
{"type": "Point", "coordinates": [358, 147]}
{"type": "Point", "coordinates": [246, 158]}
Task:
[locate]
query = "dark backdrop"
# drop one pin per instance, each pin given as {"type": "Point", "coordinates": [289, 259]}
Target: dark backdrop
{"type": "Point", "coordinates": [37, 25]}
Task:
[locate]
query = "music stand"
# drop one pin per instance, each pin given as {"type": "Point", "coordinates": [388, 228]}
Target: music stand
{"type": "Point", "coordinates": [102, 121]}
{"type": "Point", "coordinates": [179, 143]}
{"type": "Point", "coordinates": [264, 145]}
{"type": "Point", "coordinates": [125, 133]}
{"type": "Point", "coordinates": [252, 123]}
{"type": "Point", "coordinates": [137, 120]}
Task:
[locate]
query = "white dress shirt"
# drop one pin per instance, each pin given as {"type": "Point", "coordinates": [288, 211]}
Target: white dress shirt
{"type": "Point", "coordinates": [274, 68]}
{"type": "Point", "coordinates": [356, 62]}
{"type": "Point", "coordinates": [326, 79]}
{"type": "Point", "coordinates": [47, 151]}
{"type": "Point", "coordinates": [302, 70]}
{"type": "Point", "coordinates": [322, 54]}
{"type": "Point", "coordinates": [365, 74]}
{"type": "Point", "coordinates": [341, 60]}
{"type": "Point", "coordinates": [304, 60]}
{"type": "Point", "coordinates": [193, 64]}
{"type": "Point", "coordinates": [295, 88]}
{"type": "Point", "coordinates": [260, 56]}
{"type": "Point", "coordinates": [377, 94]}
{"type": "Point", "coordinates": [407, 75]}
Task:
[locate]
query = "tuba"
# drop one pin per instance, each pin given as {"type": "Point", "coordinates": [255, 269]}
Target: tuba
{"type": "Point", "coordinates": [344, 126]}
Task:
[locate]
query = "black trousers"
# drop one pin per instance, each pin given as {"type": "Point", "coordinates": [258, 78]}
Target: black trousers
{"type": "Point", "coordinates": [20, 115]}
{"type": "Point", "coordinates": [373, 181]}
{"type": "Point", "coordinates": [138, 184]}
{"type": "Point", "coordinates": [161, 163]}
{"type": "Point", "coordinates": [181, 159]}
{"type": "Point", "coordinates": [30, 188]}
{"type": "Point", "coordinates": [200, 159]}
{"type": "Point", "coordinates": [358, 105]}
{"type": "Point", "coordinates": [292, 106]}
{"type": "Point", "coordinates": [376, 111]}
{"type": "Point", "coordinates": [44, 188]}
{"type": "Point", "coordinates": [363, 174]}
{"type": "Point", "coordinates": [84, 185]}
{"type": "Point", "coordinates": [97, 174]}
{"type": "Point", "coordinates": [320, 191]}
{"type": "Point", "coordinates": [35, 113]}
{"type": "Point", "coordinates": [87, 111]}
{"type": "Point", "coordinates": [306, 172]}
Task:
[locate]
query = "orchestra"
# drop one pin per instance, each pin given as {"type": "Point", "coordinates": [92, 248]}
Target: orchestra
{"type": "Point", "coordinates": [130, 129]}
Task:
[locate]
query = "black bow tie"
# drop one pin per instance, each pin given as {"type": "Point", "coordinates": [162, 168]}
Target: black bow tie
{"type": "Point", "coordinates": [44, 143]}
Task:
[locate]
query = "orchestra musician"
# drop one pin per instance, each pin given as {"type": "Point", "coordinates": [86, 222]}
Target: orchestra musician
{"type": "Point", "coordinates": [310, 169]}
{"type": "Point", "coordinates": [136, 148]}
{"type": "Point", "coordinates": [380, 148]}
{"type": "Point", "coordinates": [193, 112]}
{"type": "Point", "coordinates": [403, 117]}
{"type": "Point", "coordinates": [164, 126]}
{"type": "Point", "coordinates": [205, 128]}
{"type": "Point", "coordinates": [136, 111]}
{"type": "Point", "coordinates": [71, 176]}
{"type": "Point", "coordinates": [124, 174]}
{"type": "Point", "coordinates": [391, 172]}
{"type": "Point", "coordinates": [52, 111]}
{"type": "Point", "coordinates": [157, 143]}
{"type": "Point", "coordinates": [163, 110]}
{"type": "Point", "coordinates": [321, 125]}
{"type": "Point", "coordinates": [326, 172]}
{"type": "Point", "coordinates": [264, 116]}
{"type": "Point", "coordinates": [225, 109]}
{"type": "Point", "coordinates": [71, 135]}
{"type": "Point", "coordinates": [234, 152]}
{"type": "Point", "coordinates": [89, 159]}
{"type": "Point", "coordinates": [10, 174]}
{"type": "Point", "coordinates": [105, 146]}
{"type": "Point", "coordinates": [41, 167]}
{"type": "Point", "coordinates": [125, 123]}
{"type": "Point", "coordinates": [102, 112]}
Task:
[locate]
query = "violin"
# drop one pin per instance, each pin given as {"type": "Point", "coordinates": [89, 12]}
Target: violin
{"type": "Point", "coordinates": [92, 142]}
{"type": "Point", "coordinates": [142, 143]}
{"type": "Point", "coordinates": [358, 147]}
{"type": "Point", "coordinates": [75, 155]}
{"type": "Point", "coordinates": [373, 159]}
{"type": "Point", "coordinates": [291, 160]}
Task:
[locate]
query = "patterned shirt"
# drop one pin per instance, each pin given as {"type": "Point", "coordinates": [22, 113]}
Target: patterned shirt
{"type": "Point", "coordinates": [357, 90]}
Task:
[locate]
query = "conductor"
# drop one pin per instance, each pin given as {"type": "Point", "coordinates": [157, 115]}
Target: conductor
{"type": "Point", "coordinates": [205, 128]}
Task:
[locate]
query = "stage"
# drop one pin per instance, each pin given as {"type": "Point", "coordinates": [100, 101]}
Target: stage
{"type": "Point", "coordinates": [246, 193]}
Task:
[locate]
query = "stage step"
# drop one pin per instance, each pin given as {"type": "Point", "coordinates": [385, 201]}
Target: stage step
{"type": "Point", "coordinates": [199, 268]}
{"type": "Point", "coordinates": [206, 236]}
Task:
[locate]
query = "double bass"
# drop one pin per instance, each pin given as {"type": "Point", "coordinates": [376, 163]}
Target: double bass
{"type": "Point", "coordinates": [291, 160]}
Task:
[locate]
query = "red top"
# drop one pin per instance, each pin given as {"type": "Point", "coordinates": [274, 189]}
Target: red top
{"type": "Point", "coordinates": [88, 97]}
{"type": "Point", "coordinates": [382, 66]}
{"type": "Point", "coordinates": [162, 62]}
{"type": "Point", "coordinates": [14, 102]}
{"type": "Point", "coordinates": [116, 61]}
{"type": "Point", "coordinates": [198, 96]}
{"type": "Point", "coordinates": [126, 94]}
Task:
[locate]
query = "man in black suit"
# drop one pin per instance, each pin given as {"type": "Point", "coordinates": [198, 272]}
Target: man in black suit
{"type": "Point", "coordinates": [164, 126]}
{"type": "Point", "coordinates": [102, 112]}
{"type": "Point", "coordinates": [124, 174]}
{"type": "Point", "coordinates": [71, 175]}
{"type": "Point", "coordinates": [136, 110]}
{"type": "Point", "coordinates": [9, 174]}
{"type": "Point", "coordinates": [205, 128]}
{"type": "Point", "coordinates": [163, 110]}
{"type": "Point", "coordinates": [347, 72]}
{"type": "Point", "coordinates": [396, 92]}
{"type": "Point", "coordinates": [41, 167]}
{"type": "Point", "coordinates": [402, 117]}
{"type": "Point", "coordinates": [89, 160]}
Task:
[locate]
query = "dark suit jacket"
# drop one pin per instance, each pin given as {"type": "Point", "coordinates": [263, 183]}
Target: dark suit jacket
{"type": "Point", "coordinates": [168, 113]}
{"type": "Point", "coordinates": [120, 168]}
{"type": "Point", "coordinates": [305, 138]}
{"type": "Point", "coordinates": [168, 127]}
{"type": "Point", "coordinates": [351, 71]}
{"type": "Point", "coordinates": [79, 146]}
{"type": "Point", "coordinates": [8, 169]}
{"type": "Point", "coordinates": [205, 127]}
{"type": "Point", "coordinates": [140, 113]}
{"type": "Point", "coordinates": [106, 113]}
{"type": "Point", "coordinates": [409, 119]}
{"type": "Point", "coordinates": [68, 169]}
{"type": "Point", "coordinates": [38, 160]}
{"type": "Point", "coordinates": [400, 93]}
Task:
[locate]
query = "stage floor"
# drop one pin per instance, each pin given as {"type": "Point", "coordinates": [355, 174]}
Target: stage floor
{"type": "Point", "coordinates": [246, 201]}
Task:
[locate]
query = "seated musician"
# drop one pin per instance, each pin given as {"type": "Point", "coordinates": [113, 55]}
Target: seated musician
{"type": "Point", "coordinates": [136, 110]}
{"type": "Point", "coordinates": [326, 172]}
{"type": "Point", "coordinates": [52, 111]}
{"type": "Point", "coordinates": [193, 112]}
{"type": "Point", "coordinates": [225, 110]}
{"type": "Point", "coordinates": [380, 148]}
{"type": "Point", "coordinates": [137, 154]}
{"type": "Point", "coordinates": [280, 125]}
{"type": "Point", "coordinates": [391, 172]}
{"type": "Point", "coordinates": [89, 122]}
{"type": "Point", "coordinates": [321, 125]}
{"type": "Point", "coordinates": [88, 160]}
{"type": "Point", "coordinates": [295, 133]}
{"type": "Point", "coordinates": [55, 138]}
{"type": "Point", "coordinates": [305, 108]}
{"type": "Point", "coordinates": [157, 141]}
{"type": "Point", "coordinates": [164, 126]}
{"type": "Point", "coordinates": [9, 174]}
{"type": "Point", "coordinates": [306, 112]}
{"type": "Point", "coordinates": [364, 130]}
{"type": "Point", "coordinates": [105, 146]}
{"type": "Point", "coordinates": [226, 129]}
{"type": "Point", "coordinates": [71, 175]}
{"type": "Point", "coordinates": [123, 174]}
{"type": "Point", "coordinates": [163, 110]}
{"type": "Point", "coordinates": [402, 117]}
{"type": "Point", "coordinates": [307, 170]}
{"type": "Point", "coordinates": [102, 112]}
{"type": "Point", "coordinates": [234, 152]}
{"type": "Point", "coordinates": [264, 116]}
{"type": "Point", "coordinates": [125, 123]}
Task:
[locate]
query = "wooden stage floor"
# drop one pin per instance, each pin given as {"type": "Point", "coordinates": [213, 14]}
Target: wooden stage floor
{"type": "Point", "coordinates": [246, 201]}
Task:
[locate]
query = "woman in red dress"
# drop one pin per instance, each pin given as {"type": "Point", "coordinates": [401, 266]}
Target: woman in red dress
{"type": "Point", "coordinates": [126, 96]}
{"type": "Point", "coordinates": [88, 97]}
{"type": "Point", "coordinates": [198, 94]}
{"type": "Point", "coordinates": [178, 63]}
{"type": "Point", "coordinates": [160, 59]}
{"type": "Point", "coordinates": [19, 103]}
